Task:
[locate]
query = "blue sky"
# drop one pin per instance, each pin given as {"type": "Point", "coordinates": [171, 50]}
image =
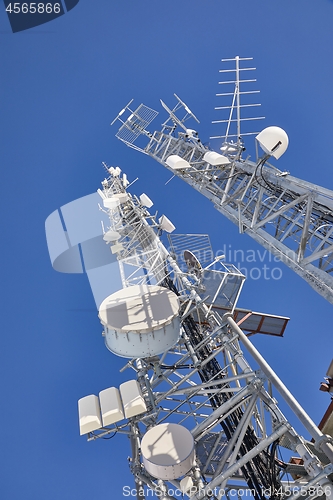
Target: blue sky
{"type": "Point", "coordinates": [61, 85]}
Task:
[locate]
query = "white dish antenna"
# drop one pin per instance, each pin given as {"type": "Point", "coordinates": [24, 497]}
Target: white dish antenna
{"type": "Point", "coordinates": [273, 141]}
{"type": "Point", "coordinates": [166, 224]}
{"type": "Point", "coordinates": [168, 451]}
{"type": "Point", "coordinates": [146, 201]}
{"type": "Point", "coordinates": [140, 320]}
{"type": "Point", "coordinates": [192, 262]}
{"type": "Point", "coordinates": [122, 197]}
{"type": "Point", "coordinates": [111, 236]}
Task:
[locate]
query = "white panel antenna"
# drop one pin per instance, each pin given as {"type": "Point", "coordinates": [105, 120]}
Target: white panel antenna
{"type": "Point", "coordinates": [146, 201]}
{"type": "Point", "coordinates": [133, 402]}
{"type": "Point", "coordinates": [111, 406]}
{"type": "Point", "coordinates": [89, 414]}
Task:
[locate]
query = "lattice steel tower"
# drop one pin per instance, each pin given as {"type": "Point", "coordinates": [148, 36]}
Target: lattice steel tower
{"type": "Point", "coordinates": [201, 417]}
{"type": "Point", "coordinates": [290, 217]}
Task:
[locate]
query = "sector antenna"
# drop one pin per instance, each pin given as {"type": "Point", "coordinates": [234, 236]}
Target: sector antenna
{"type": "Point", "coordinates": [202, 416]}
{"type": "Point", "coordinates": [290, 217]}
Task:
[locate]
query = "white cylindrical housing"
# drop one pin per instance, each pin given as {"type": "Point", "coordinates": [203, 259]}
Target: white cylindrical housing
{"type": "Point", "coordinates": [168, 451]}
{"type": "Point", "coordinates": [122, 197]}
{"type": "Point", "coordinates": [140, 321]}
{"type": "Point", "coordinates": [215, 158]}
{"type": "Point", "coordinates": [176, 162]}
{"type": "Point", "coordinates": [112, 202]}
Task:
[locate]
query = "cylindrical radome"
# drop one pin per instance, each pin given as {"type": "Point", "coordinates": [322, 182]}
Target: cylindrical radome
{"type": "Point", "coordinates": [168, 451]}
{"type": "Point", "coordinates": [140, 320]}
{"type": "Point", "coordinates": [215, 159]}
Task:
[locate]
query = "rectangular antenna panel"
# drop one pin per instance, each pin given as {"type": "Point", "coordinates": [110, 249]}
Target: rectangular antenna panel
{"type": "Point", "coordinates": [89, 414]}
{"type": "Point", "coordinates": [136, 124]}
{"type": "Point", "coordinates": [133, 401]}
{"type": "Point", "coordinates": [111, 407]}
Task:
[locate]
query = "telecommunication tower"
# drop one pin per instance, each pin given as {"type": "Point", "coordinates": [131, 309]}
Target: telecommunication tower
{"type": "Point", "coordinates": [201, 416]}
{"type": "Point", "coordinates": [290, 217]}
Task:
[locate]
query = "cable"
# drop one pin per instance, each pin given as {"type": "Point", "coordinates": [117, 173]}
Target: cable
{"type": "Point", "coordinates": [260, 473]}
{"type": "Point", "coordinates": [175, 367]}
{"type": "Point", "coordinates": [110, 437]}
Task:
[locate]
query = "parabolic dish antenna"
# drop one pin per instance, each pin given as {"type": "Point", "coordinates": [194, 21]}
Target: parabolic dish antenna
{"type": "Point", "coordinates": [140, 320]}
{"type": "Point", "coordinates": [168, 451]}
{"type": "Point", "coordinates": [192, 262]}
{"type": "Point", "coordinates": [111, 236]}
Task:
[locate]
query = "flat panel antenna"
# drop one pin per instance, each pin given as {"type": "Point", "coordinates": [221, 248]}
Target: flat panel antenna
{"type": "Point", "coordinates": [135, 124]}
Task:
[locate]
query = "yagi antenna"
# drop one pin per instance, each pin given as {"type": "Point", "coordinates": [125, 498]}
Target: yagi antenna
{"type": "Point", "coordinates": [187, 109]}
{"type": "Point", "coordinates": [173, 117]}
{"type": "Point", "coordinates": [172, 113]}
{"type": "Point", "coordinates": [122, 112]}
{"type": "Point", "coordinates": [234, 117]}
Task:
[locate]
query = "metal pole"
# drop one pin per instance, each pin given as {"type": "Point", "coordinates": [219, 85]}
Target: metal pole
{"type": "Point", "coordinates": [237, 97]}
{"type": "Point", "coordinates": [136, 467]}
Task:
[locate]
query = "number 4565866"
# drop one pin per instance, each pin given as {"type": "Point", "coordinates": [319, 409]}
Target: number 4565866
{"type": "Point", "coordinates": [33, 7]}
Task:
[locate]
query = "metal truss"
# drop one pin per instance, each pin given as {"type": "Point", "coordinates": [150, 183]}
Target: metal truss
{"type": "Point", "coordinates": [138, 248]}
{"type": "Point", "coordinates": [290, 217]}
{"type": "Point", "coordinates": [206, 384]}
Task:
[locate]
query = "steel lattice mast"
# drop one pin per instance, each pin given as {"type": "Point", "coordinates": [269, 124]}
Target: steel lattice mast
{"type": "Point", "coordinates": [290, 217]}
{"type": "Point", "coordinates": [199, 382]}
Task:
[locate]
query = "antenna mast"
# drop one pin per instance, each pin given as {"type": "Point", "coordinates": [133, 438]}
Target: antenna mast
{"type": "Point", "coordinates": [234, 109]}
{"type": "Point", "coordinates": [290, 217]}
